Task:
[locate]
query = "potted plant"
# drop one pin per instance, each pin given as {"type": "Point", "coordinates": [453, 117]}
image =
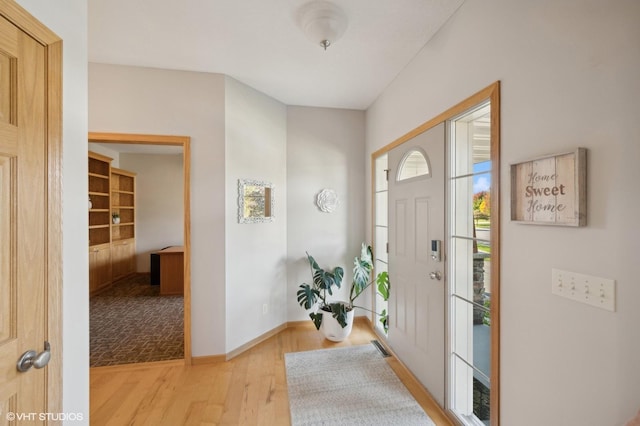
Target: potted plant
{"type": "Point", "coordinates": [335, 318]}
{"type": "Point", "coordinates": [115, 217]}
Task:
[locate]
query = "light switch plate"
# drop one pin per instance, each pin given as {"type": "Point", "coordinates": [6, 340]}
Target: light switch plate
{"type": "Point", "coordinates": [594, 291]}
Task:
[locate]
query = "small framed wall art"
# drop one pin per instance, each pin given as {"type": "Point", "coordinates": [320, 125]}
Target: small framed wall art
{"type": "Point", "coordinates": [551, 190]}
{"type": "Point", "coordinates": [255, 201]}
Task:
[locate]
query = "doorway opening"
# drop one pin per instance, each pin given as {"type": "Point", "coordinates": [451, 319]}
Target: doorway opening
{"type": "Point", "coordinates": [149, 208]}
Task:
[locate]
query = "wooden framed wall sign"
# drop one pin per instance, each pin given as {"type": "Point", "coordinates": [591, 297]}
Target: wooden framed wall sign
{"type": "Point", "coordinates": [551, 190]}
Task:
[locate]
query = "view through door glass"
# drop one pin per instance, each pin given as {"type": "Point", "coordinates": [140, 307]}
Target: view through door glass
{"type": "Point", "coordinates": [470, 266]}
{"type": "Point", "coordinates": [381, 235]}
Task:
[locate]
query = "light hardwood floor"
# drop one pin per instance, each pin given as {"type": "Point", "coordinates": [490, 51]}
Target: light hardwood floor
{"type": "Point", "coordinates": [250, 389]}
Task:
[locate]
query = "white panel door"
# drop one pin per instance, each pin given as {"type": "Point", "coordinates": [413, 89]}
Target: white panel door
{"type": "Point", "coordinates": [417, 296]}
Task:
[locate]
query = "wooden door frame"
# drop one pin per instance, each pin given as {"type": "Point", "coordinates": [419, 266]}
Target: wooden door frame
{"type": "Point", "coordinates": [491, 93]}
{"type": "Point", "coordinates": [184, 142]}
{"type": "Point", "coordinates": [52, 44]}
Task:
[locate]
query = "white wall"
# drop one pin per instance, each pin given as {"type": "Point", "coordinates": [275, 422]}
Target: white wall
{"type": "Point", "coordinates": [68, 19]}
{"type": "Point", "coordinates": [159, 203]}
{"type": "Point", "coordinates": [325, 149]}
{"type": "Point", "coordinates": [318, 147]}
{"type": "Point", "coordinates": [569, 73]}
{"type": "Point", "coordinates": [146, 100]}
{"type": "Point", "coordinates": [256, 138]}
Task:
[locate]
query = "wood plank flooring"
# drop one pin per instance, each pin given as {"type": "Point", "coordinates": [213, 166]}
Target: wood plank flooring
{"type": "Point", "coordinates": [250, 389]}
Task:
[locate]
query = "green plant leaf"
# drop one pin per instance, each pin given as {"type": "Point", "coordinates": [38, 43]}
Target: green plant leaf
{"type": "Point", "coordinates": [362, 267]}
{"type": "Point", "coordinates": [383, 285]}
{"type": "Point", "coordinates": [312, 262]}
{"type": "Point", "coordinates": [339, 312]}
{"type": "Point", "coordinates": [366, 254]}
{"type": "Point", "coordinates": [338, 273]}
{"type": "Point", "coordinates": [324, 280]}
{"type": "Point", "coordinates": [307, 296]}
{"type": "Point", "coordinates": [384, 320]}
{"type": "Point", "coordinates": [317, 319]}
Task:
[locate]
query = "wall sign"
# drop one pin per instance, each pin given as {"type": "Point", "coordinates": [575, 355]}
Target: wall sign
{"type": "Point", "coordinates": [551, 190]}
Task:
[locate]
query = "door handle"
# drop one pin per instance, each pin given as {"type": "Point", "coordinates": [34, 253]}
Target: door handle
{"type": "Point", "coordinates": [435, 275]}
{"type": "Point", "coordinates": [32, 359]}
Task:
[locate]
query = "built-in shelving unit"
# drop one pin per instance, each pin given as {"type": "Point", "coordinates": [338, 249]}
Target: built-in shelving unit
{"type": "Point", "coordinates": [99, 217]}
{"type": "Point", "coordinates": [123, 243]}
{"type": "Point", "coordinates": [123, 203]}
{"type": "Point", "coordinates": [111, 241]}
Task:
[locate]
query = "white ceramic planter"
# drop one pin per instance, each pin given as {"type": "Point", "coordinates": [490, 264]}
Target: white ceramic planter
{"type": "Point", "coordinates": [331, 328]}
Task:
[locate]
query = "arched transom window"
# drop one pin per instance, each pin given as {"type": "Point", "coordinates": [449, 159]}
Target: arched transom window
{"type": "Point", "coordinates": [415, 163]}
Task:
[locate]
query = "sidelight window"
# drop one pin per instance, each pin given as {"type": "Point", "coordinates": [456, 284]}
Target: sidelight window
{"type": "Point", "coordinates": [381, 232]}
{"type": "Point", "coordinates": [470, 266]}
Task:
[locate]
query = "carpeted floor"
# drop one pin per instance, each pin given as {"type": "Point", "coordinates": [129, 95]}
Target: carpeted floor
{"type": "Point", "coordinates": [350, 385]}
{"type": "Point", "coordinates": [131, 323]}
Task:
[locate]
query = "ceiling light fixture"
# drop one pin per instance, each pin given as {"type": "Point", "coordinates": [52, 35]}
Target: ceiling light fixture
{"type": "Point", "coordinates": [322, 22]}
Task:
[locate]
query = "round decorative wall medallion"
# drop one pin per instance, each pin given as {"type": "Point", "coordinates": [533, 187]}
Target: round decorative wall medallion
{"type": "Point", "coordinates": [327, 200]}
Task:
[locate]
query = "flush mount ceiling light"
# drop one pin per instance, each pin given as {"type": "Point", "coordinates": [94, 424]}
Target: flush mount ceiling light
{"type": "Point", "coordinates": [322, 22]}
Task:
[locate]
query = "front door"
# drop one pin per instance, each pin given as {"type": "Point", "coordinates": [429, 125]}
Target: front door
{"type": "Point", "coordinates": [416, 257]}
{"type": "Point", "coordinates": [27, 253]}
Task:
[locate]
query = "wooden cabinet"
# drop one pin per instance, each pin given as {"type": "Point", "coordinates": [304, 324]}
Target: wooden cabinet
{"type": "Point", "coordinates": [99, 267]}
{"type": "Point", "coordinates": [172, 270]}
{"type": "Point", "coordinates": [123, 258]}
{"type": "Point", "coordinates": [112, 244]}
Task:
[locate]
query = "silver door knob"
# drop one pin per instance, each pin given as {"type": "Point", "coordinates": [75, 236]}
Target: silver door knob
{"type": "Point", "coordinates": [32, 359]}
{"type": "Point", "coordinates": [435, 275]}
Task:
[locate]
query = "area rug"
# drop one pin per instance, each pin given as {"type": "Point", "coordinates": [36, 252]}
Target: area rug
{"type": "Point", "coordinates": [130, 323]}
{"type": "Point", "coordinates": [348, 386]}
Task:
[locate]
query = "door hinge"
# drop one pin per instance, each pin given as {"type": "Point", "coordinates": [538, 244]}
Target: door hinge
{"type": "Point", "coordinates": [386, 174]}
{"type": "Point", "coordinates": [387, 248]}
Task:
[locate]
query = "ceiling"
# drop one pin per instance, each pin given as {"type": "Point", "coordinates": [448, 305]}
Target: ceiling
{"type": "Point", "coordinates": [260, 43]}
